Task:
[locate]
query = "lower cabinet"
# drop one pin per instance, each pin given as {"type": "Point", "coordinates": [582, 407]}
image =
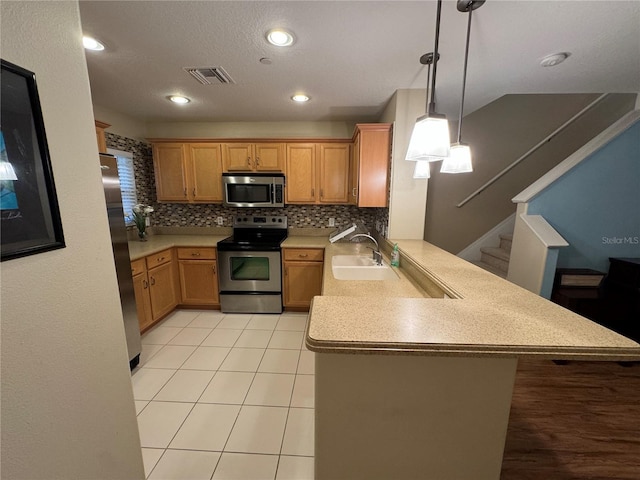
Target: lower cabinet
{"type": "Point", "coordinates": [302, 276]}
{"type": "Point", "coordinates": [198, 276]}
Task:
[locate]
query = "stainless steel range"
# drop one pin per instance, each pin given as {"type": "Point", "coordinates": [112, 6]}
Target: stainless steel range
{"type": "Point", "coordinates": [250, 265]}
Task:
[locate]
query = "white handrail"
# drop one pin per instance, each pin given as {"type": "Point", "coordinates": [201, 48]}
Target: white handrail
{"type": "Point", "coordinates": [532, 150]}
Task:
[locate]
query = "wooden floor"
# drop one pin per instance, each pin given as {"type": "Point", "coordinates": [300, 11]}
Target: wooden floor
{"type": "Point", "coordinates": [579, 421]}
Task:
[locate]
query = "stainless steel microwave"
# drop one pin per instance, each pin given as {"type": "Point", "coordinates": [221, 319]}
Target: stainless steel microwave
{"type": "Point", "coordinates": [253, 189]}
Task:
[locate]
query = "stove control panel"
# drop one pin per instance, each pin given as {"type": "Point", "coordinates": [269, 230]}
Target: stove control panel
{"type": "Point", "coordinates": [260, 221]}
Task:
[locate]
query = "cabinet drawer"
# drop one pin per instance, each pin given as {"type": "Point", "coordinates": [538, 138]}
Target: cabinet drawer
{"type": "Point", "coordinates": [303, 254]}
{"type": "Point", "coordinates": [197, 253]}
{"type": "Point", "coordinates": [159, 258]}
{"type": "Point", "coordinates": [138, 267]}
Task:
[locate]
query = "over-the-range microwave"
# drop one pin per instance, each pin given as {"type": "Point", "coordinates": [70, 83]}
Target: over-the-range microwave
{"type": "Point", "coordinates": [253, 189]}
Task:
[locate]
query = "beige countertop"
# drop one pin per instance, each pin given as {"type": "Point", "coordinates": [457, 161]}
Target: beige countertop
{"type": "Point", "coordinates": [488, 316]}
{"type": "Point", "coordinates": [156, 243]}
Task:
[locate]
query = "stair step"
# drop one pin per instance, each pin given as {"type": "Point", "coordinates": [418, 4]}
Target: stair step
{"type": "Point", "coordinates": [496, 257]}
{"type": "Point", "coordinates": [507, 236]}
{"type": "Point", "coordinates": [496, 252]}
{"type": "Point", "coordinates": [491, 269]}
{"type": "Point", "coordinates": [506, 241]}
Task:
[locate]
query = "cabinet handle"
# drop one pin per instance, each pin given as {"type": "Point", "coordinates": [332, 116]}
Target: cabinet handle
{"type": "Point", "coordinates": [185, 192]}
{"type": "Point", "coordinates": [194, 192]}
{"type": "Point", "coordinates": [257, 161]}
{"type": "Point", "coordinates": [160, 259]}
{"type": "Point", "coordinates": [153, 281]}
{"type": "Point", "coordinates": [303, 255]}
{"type": "Point", "coordinates": [214, 270]}
{"type": "Point", "coordinates": [249, 161]}
{"type": "Point", "coordinates": [195, 254]}
{"type": "Point", "coordinates": [313, 193]}
{"type": "Point", "coordinates": [321, 193]}
{"type": "Point", "coordinates": [145, 284]}
{"type": "Point", "coordinates": [286, 271]}
{"type": "Point", "coordinates": [354, 191]}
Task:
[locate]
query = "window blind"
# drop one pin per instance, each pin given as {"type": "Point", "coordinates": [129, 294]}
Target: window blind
{"type": "Point", "coordinates": [127, 187]}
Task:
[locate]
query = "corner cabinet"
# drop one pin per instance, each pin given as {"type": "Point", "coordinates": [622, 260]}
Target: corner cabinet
{"type": "Point", "coordinates": [317, 173]}
{"type": "Point", "coordinates": [100, 135]}
{"type": "Point", "coordinates": [370, 164]}
{"type": "Point", "coordinates": [301, 276]}
{"type": "Point", "coordinates": [253, 157]}
{"type": "Point", "coordinates": [198, 276]}
{"type": "Point", "coordinates": [188, 172]}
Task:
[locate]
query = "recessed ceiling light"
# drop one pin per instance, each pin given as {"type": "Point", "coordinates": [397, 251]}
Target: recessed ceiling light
{"type": "Point", "coordinates": [301, 98]}
{"type": "Point", "coordinates": [280, 37]}
{"type": "Point", "coordinates": [179, 99]}
{"type": "Point", "coordinates": [554, 59]}
{"type": "Point", "coordinates": [92, 44]}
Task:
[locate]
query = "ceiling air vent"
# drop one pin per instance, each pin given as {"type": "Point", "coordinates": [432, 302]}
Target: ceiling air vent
{"type": "Point", "coordinates": [210, 75]}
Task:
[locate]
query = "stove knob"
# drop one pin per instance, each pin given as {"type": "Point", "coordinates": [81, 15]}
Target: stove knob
{"type": "Point", "coordinates": [273, 219]}
{"type": "Point", "coordinates": [280, 220]}
{"type": "Point", "coordinates": [244, 219]}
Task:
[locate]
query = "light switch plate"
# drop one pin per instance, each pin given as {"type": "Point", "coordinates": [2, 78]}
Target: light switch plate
{"type": "Point", "coordinates": [332, 222]}
{"type": "Point", "coordinates": [220, 221]}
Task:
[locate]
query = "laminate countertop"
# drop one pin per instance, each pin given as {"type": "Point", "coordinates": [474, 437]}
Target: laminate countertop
{"type": "Point", "coordinates": [157, 243]}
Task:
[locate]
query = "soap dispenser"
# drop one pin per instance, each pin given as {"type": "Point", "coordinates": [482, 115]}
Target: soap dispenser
{"type": "Point", "coordinates": [395, 256]}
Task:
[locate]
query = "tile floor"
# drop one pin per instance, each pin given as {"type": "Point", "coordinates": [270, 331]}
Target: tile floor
{"type": "Point", "coordinates": [226, 397]}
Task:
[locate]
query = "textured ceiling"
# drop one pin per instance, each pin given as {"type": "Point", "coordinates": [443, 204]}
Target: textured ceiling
{"type": "Point", "coordinates": [350, 56]}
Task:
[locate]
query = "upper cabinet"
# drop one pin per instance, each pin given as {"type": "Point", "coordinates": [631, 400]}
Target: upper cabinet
{"type": "Point", "coordinates": [317, 173]}
{"type": "Point", "coordinates": [253, 157]}
{"type": "Point", "coordinates": [100, 136]}
{"type": "Point", "coordinates": [188, 172]}
{"type": "Point", "coordinates": [369, 180]}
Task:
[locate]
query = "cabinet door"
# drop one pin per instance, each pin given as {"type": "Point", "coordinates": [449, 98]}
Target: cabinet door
{"type": "Point", "coordinates": [169, 167]}
{"type": "Point", "coordinates": [198, 282]}
{"type": "Point", "coordinates": [333, 173]}
{"type": "Point", "coordinates": [375, 153]}
{"type": "Point", "coordinates": [162, 290]}
{"type": "Point", "coordinates": [354, 169]}
{"type": "Point", "coordinates": [143, 301]}
{"type": "Point", "coordinates": [302, 281]}
{"type": "Point", "coordinates": [205, 160]}
{"type": "Point", "coordinates": [237, 157]}
{"type": "Point", "coordinates": [269, 157]}
{"type": "Point", "coordinates": [301, 173]}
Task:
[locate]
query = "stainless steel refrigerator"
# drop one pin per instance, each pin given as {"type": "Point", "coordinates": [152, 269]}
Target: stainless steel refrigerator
{"type": "Point", "coordinates": [120, 245]}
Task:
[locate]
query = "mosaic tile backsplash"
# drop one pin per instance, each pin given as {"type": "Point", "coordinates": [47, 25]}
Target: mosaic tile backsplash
{"type": "Point", "coordinates": [205, 215]}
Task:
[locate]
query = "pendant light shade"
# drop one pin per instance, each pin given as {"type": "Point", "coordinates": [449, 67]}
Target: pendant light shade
{"type": "Point", "coordinates": [421, 170]}
{"type": "Point", "coordinates": [430, 139]}
{"type": "Point", "coordinates": [459, 160]}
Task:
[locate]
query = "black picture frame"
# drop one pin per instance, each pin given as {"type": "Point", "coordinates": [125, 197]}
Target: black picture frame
{"type": "Point", "coordinates": [30, 220]}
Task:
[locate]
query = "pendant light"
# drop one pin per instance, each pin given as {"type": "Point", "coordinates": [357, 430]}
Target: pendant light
{"type": "Point", "coordinates": [459, 160]}
{"type": "Point", "coordinates": [430, 137]}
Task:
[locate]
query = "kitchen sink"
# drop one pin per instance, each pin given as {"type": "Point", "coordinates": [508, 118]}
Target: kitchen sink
{"type": "Point", "coordinates": [360, 267]}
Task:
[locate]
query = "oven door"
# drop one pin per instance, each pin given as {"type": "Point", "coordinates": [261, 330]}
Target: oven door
{"type": "Point", "coordinates": [249, 271]}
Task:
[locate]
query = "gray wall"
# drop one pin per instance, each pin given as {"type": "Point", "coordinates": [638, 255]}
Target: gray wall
{"type": "Point", "coordinates": [498, 134]}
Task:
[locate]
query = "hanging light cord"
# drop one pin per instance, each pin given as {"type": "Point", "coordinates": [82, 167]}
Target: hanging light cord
{"type": "Point", "coordinates": [464, 75]}
{"type": "Point", "coordinates": [426, 107]}
{"type": "Point", "coordinates": [432, 104]}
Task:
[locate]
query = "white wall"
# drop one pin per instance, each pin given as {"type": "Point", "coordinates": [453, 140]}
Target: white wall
{"type": "Point", "coordinates": [122, 125]}
{"type": "Point", "coordinates": [408, 201]}
{"type": "Point", "coordinates": [67, 402]}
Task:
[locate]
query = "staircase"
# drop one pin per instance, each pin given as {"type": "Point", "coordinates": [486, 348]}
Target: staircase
{"type": "Point", "coordinates": [496, 259]}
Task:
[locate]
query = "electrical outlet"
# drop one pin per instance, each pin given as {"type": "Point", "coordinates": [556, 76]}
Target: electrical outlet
{"type": "Point", "coordinates": [220, 221]}
{"type": "Point", "coordinates": [378, 226]}
{"type": "Point", "coordinates": [332, 222]}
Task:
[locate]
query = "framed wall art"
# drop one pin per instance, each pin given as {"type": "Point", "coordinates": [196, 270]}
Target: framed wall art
{"type": "Point", "coordinates": [29, 214]}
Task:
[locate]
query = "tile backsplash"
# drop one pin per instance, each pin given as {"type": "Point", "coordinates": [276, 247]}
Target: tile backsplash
{"type": "Point", "coordinates": [205, 215]}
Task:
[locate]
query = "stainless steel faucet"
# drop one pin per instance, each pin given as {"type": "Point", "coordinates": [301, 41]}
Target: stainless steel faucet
{"type": "Point", "coordinates": [377, 256]}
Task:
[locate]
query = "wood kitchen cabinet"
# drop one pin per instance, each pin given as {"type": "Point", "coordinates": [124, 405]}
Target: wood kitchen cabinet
{"type": "Point", "coordinates": [198, 276]}
{"type": "Point", "coordinates": [253, 157]}
{"type": "Point", "coordinates": [370, 162]}
{"type": "Point", "coordinates": [302, 276]}
{"type": "Point", "coordinates": [100, 135]}
{"type": "Point", "coordinates": [188, 172]}
{"type": "Point", "coordinates": [317, 173]}
{"type": "Point", "coordinates": [154, 279]}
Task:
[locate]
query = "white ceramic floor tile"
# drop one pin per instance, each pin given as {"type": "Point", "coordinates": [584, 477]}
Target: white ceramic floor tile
{"type": "Point", "coordinates": [228, 387]}
{"type": "Point", "coordinates": [304, 391]}
{"type": "Point", "coordinates": [286, 339]}
{"type": "Point", "coordinates": [206, 358]}
{"type": "Point", "coordinates": [298, 437]}
{"type": "Point", "coordinates": [159, 335]}
{"type": "Point", "coordinates": [242, 360]}
{"type": "Point", "coordinates": [307, 364]}
{"type": "Point", "coordinates": [258, 430]}
{"type": "Point", "coordinates": [190, 336]}
{"type": "Point", "coordinates": [140, 404]}
{"type": "Point", "coordinates": [147, 353]}
{"type": "Point", "coordinates": [150, 457]}
{"type": "Point", "coordinates": [297, 323]}
{"type": "Point", "coordinates": [270, 389]}
{"type": "Point", "coordinates": [206, 428]}
{"type": "Point", "coordinates": [184, 464]}
{"type": "Point", "coordinates": [279, 361]}
{"type": "Point", "coordinates": [222, 338]}
{"type": "Point", "coordinates": [295, 468]}
{"type": "Point", "coordinates": [180, 318]}
{"type": "Point", "coordinates": [160, 421]}
{"type": "Point", "coordinates": [185, 386]}
{"type": "Point", "coordinates": [148, 381]}
{"type": "Point", "coordinates": [242, 466]}
{"type": "Point", "coordinates": [232, 320]}
{"type": "Point", "coordinates": [254, 339]}
{"type": "Point", "coordinates": [263, 322]}
{"type": "Point", "coordinates": [171, 356]}
{"type": "Point", "coordinates": [208, 319]}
